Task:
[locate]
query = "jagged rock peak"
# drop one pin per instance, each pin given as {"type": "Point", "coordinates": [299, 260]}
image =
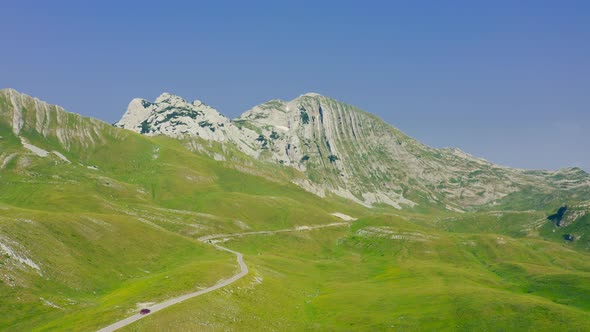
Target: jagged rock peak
{"type": "Point", "coordinates": [170, 98]}
{"type": "Point", "coordinates": [173, 116]}
{"type": "Point", "coordinates": [311, 94]}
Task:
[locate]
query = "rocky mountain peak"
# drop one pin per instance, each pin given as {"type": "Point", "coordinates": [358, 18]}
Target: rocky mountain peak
{"type": "Point", "coordinates": [345, 151]}
{"type": "Point", "coordinates": [173, 116]}
{"type": "Point", "coordinates": [311, 94]}
{"type": "Point", "coordinates": [177, 101]}
{"type": "Point", "coordinates": [170, 99]}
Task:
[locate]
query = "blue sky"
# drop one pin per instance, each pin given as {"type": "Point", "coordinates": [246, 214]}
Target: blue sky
{"type": "Point", "coordinates": [504, 81]}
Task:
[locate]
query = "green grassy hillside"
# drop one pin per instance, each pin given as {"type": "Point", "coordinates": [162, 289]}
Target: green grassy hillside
{"type": "Point", "coordinates": [117, 223]}
{"type": "Point", "coordinates": [106, 219]}
{"type": "Point", "coordinates": [386, 273]}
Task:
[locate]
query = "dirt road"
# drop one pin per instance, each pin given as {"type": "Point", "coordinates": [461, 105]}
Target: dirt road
{"type": "Point", "coordinates": [213, 240]}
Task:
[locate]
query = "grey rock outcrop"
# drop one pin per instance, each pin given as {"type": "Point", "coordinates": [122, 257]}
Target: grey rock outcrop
{"type": "Point", "coordinates": [567, 215]}
{"type": "Point", "coordinates": [173, 116]}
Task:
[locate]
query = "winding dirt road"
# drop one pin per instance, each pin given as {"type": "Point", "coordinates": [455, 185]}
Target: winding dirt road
{"type": "Point", "coordinates": [213, 240]}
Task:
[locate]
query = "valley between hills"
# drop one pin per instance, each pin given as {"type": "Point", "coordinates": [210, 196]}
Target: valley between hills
{"type": "Point", "coordinates": [99, 221]}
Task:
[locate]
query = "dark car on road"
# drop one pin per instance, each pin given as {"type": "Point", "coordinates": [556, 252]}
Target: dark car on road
{"type": "Point", "coordinates": [145, 311]}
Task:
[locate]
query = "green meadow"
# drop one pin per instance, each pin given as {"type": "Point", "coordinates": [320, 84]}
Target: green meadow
{"type": "Point", "coordinates": [347, 279]}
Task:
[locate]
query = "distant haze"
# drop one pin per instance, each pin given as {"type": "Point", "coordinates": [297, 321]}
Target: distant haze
{"type": "Point", "coordinates": [503, 81]}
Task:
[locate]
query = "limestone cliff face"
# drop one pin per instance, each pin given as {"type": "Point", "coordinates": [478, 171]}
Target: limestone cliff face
{"type": "Point", "coordinates": [173, 116]}
{"type": "Point", "coordinates": [348, 152]}
{"type": "Point", "coordinates": [340, 148]}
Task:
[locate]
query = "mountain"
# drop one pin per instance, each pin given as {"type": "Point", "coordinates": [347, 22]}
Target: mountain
{"type": "Point", "coordinates": [98, 222]}
{"type": "Point", "coordinates": [95, 219]}
{"type": "Point", "coordinates": [351, 153]}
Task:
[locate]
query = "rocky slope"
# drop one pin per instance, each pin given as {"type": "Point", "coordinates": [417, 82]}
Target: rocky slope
{"type": "Point", "coordinates": [567, 215]}
{"type": "Point", "coordinates": [173, 116]}
{"type": "Point", "coordinates": [348, 152]}
{"type": "Point", "coordinates": [35, 119]}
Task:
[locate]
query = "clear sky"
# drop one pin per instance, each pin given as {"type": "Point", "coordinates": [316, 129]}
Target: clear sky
{"type": "Point", "coordinates": [508, 81]}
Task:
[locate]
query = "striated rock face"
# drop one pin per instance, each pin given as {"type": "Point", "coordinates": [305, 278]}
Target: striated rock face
{"type": "Point", "coordinates": [348, 152]}
{"type": "Point", "coordinates": [29, 115]}
{"type": "Point", "coordinates": [339, 147]}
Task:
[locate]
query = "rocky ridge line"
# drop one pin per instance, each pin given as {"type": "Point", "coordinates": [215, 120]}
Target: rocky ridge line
{"type": "Point", "coordinates": [345, 151]}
